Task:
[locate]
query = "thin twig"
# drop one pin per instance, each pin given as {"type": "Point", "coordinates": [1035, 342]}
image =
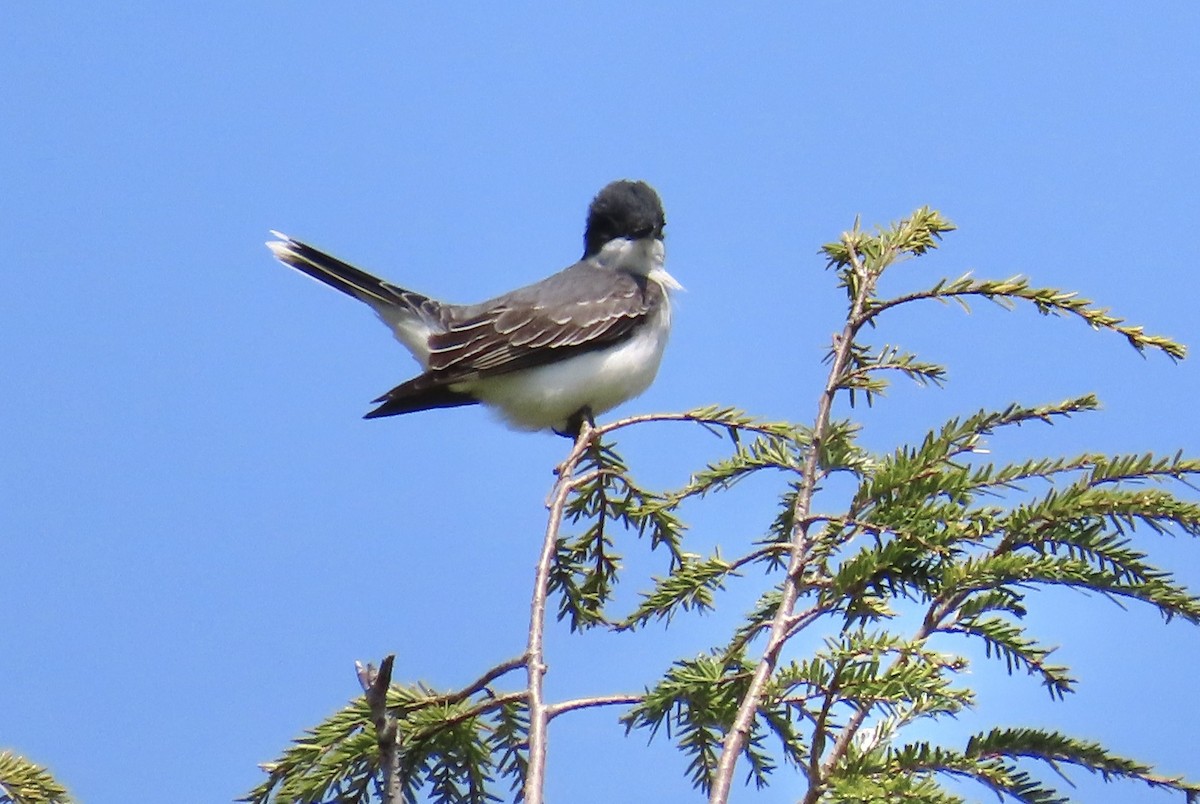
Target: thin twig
{"type": "Point", "coordinates": [756, 554]}
{"type": "Point", "coordinates": [554, 710]}
{"type": "Point", "coordinates": [849, 731]}
{"type": "Point", "coordinates": [466, 692]}
{"type": "Point", "coordinates": [375, 684]}
{"type": "Point", "coordinates": [535, 662]}
{"type": "Point", "coordinates": [815, 771]}
{"type": "Point", "coordinates": [798, 622]}
{"type": "Point", "coordinates": [482, 708]}
{"type": "Point", "coordinates": [939, 609]}
{"type": "Point", "coordinates": [743, 722]}
{"type": "Point", "coordinates": [629, 421]}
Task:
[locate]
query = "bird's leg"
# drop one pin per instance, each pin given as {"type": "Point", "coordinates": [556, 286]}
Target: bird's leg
{"type": "Point", "coordinates": [581, 428]}
{"type": "Point", "coordinates": [576, 422]}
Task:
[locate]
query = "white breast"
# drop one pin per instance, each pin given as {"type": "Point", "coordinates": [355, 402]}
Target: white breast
{"type": "Point", "coordinates": [546, 396]}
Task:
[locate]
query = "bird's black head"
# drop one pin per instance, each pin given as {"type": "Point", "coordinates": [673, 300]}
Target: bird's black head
{"type": "Point", "coordinates": [623, 209]}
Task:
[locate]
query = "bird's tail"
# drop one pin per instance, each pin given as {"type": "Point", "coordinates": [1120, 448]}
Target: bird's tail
{"type": "Point", "coordinates": [411, 316]}
{"type": "Point", "coordinates": [340, 275]}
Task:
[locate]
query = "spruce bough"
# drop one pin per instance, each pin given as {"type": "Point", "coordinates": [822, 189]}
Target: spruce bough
{"type": "Point", "coordinates": [934, 542]}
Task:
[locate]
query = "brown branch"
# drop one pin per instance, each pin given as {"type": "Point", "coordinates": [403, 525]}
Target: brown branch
{"type": "Point", "coordinates": [629, 421]}
{"type": "Point", "coordinates": [849, 731]}
{"type": "Point", "coordinates": [535, 663]}
{"type": "Point", "coordinates": [816, 771]}
{"type": "Point", "coordinates": [755, 555]}
{"type": "Point", "coordinates": [798, 622]}
{"type": "Point", "coordinates": [743, 722]}
{"type": "Point", "coordinates": [554, 710]}
{"type": "Point", "coordinates": [939, 609]}
{"type": "Point", "coordinates": [467, 714]}
{"type": "Point", "coordinates": [475, 686]}
{"type": "Point", "coordinates": [375, 684]}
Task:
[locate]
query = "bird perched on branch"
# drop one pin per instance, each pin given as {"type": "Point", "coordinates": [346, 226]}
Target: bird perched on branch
{"type": "Point", "coordinates": [550, 355]}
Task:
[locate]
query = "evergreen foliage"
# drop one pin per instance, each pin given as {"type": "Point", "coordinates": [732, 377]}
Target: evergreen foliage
{"type": "Point", "coordinates": [23, 782]}
{"type": "Point", "coordinates": [934, 542]}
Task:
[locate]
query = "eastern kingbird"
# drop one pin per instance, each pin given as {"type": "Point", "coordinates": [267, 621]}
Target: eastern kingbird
{"type": "Point", "coordinates": [549, 355]}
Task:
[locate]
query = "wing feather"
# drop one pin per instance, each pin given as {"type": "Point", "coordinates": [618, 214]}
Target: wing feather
{"type": "Point", "coordinates": [583, 308]}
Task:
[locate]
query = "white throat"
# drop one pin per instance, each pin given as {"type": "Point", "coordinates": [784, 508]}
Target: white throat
{"type": "Point", "coordinates": [644, 257]}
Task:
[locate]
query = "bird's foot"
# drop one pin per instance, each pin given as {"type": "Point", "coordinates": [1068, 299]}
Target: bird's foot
{"type": "Point", "coordinates": [581, 429]}
{"type": "Point", "coordinates": [576, 423]}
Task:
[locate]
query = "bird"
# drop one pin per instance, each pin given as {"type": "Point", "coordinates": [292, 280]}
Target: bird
{"type": "Point", "coordinates": [548, 356]}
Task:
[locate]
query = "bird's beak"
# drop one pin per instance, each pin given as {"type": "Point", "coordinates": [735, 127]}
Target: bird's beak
{"type": "Point", "coordinates": [663, 278]}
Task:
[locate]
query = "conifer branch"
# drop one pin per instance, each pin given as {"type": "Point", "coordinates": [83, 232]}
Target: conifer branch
{"type": "Point", "coordinates": [24, 782]}
{"type": "Point", "coordinates": [562, 707]}
{"type": "Point", "coordinates": [479, 684]}
{"type": "Point", "coordinates": [915, 532]}
{"type": "Point", "coordinates": [375, 684]}
{"type": "Point", "coordinates": [1048, 301]}
{"type": "Point", "coordinates": [715, 417]}
{"type": "Point", "coordinates": [859, 283]}
{"type": "Point", "coordinates": [535, 661]}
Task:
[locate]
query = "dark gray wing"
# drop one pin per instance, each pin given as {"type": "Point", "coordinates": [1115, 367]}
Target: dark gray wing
{"type": "Point", "coordinates": [343, 276]}
{"type": "Point", "coordinates": [583, 308]}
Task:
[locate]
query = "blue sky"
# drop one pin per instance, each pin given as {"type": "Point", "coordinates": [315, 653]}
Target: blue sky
{"type": "Point", "coordinates": [200, 535]}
